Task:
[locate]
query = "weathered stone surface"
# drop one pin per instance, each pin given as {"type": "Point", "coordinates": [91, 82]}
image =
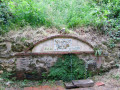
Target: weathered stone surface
{"type": "Point", "coordinates": [5, 47]}
{"type": "Point", "coordinates": [17, 47]}
{"type": "Point", "coordinates": [117, 45]}
{"type": "Point", "coordinates": [83, 83]}
{"type": "Point", "coordinates": [11, 61]}
{"type": "Point", "coordinates": [59, 83]}
{"type": "Point", "coordinates": [91, 65]}
{"type": "Point", "coordinates": [20, 75]}
{"type": "Point", "coordinates": [44, 62]}
{"type": "Point", "coordinates": [1, 72]}
{"type": "Point", "coordinates": [9, 69]}
{"type": "Point", "coordinates": [69, 85]}
{"type": "Point", "coordinates": [41, 63]}
{"type": "Point", "coordinates": [112, 63]}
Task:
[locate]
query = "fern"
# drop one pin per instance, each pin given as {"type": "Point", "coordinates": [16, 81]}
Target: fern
{"type": "Point", "coordinates": [67, 68]}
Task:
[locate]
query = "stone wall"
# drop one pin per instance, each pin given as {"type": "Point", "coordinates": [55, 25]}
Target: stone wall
{"type": "Point", "coordinates": [39, 63]}
{"type": "Point", "coordinates": [30, 63]}
{"type": "Point", "coordinates": [44, 62]}
{"type": "Point", "coordinates": [8, 60]}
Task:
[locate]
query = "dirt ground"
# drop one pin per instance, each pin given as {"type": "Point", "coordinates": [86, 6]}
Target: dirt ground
{"type": "Point", "coordinates": [110, 79]}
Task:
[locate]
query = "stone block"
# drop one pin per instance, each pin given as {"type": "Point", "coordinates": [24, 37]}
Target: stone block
{"type": "Point", "coordinates": [69, 85]}
{"type": "Point", "coordinates": [83, 83]}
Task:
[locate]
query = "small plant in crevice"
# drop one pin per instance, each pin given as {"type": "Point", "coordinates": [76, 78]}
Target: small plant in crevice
{"type": "Point", "coordinates": [67, 68]}
{"type": "Point", "coordinates": [98, 52]}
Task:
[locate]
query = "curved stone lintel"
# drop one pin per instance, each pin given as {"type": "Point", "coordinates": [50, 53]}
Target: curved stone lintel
{"type": "Point", "coordinates": [49, 41]}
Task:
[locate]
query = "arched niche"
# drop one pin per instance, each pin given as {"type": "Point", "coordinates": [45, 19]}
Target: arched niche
{"type": "Point", "coordinates": [61, 44]}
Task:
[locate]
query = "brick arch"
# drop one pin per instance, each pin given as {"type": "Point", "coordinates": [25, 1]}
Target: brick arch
{"type": "Point", "coordinates": [26, 52]}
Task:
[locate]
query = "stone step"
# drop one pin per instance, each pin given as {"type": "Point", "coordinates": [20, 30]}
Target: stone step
{"type": "Point", "coordinates": [83, 83]}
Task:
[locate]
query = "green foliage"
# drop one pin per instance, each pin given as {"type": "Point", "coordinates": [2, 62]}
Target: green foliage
{"type": "Point", "coordinates": [28, 12]}
{"type": "Point", "coordinates": [109, 10]}
{"type": "Point", "coordinates": [102, 14]}
{"type": "Point", "coordinates": [98, 52]}
{"type": "Point", "coordinates": [5, 17]}
{"type": "Point", "coordinates": [47, 12]}
{"type": "Point", "coordinates": [6, 75]}
{"type": "Point", "coordinates": [117, 77]}
{"type": "Point", "coordinates": [111, 43]}
{"type": "Point", "coordinates": [2, 88]}
{"type": "Point", "coordinates": [67, 68]}
{"type": "Point", "coordinates": [23, 39]}
{"type": "Point", "coordinates": [115, 38]}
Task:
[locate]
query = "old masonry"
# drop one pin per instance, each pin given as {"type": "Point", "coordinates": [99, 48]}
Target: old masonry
{"type": "Point", "coordinates": [43, 54]}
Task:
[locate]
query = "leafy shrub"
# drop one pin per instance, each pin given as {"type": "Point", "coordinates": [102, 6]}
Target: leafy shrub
{"type": "Point", "coordinates": [5, 17]}
{"type": "Point", "coordinates": [28, 12]}
{"type": "Point", "coordinates": [109, 10]}
{"type": "Point", "coordinates": [52, 12]}
{"type": "Point", "coordinates": [115, 38]}
{"type": "Point", "coordinates": [67, 68]}
{"type": "Point", "coordinates": [102, 14]}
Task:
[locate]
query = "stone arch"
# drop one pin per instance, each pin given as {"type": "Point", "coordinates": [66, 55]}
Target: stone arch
{"type": "Point", "coordinates": [74, 45]}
